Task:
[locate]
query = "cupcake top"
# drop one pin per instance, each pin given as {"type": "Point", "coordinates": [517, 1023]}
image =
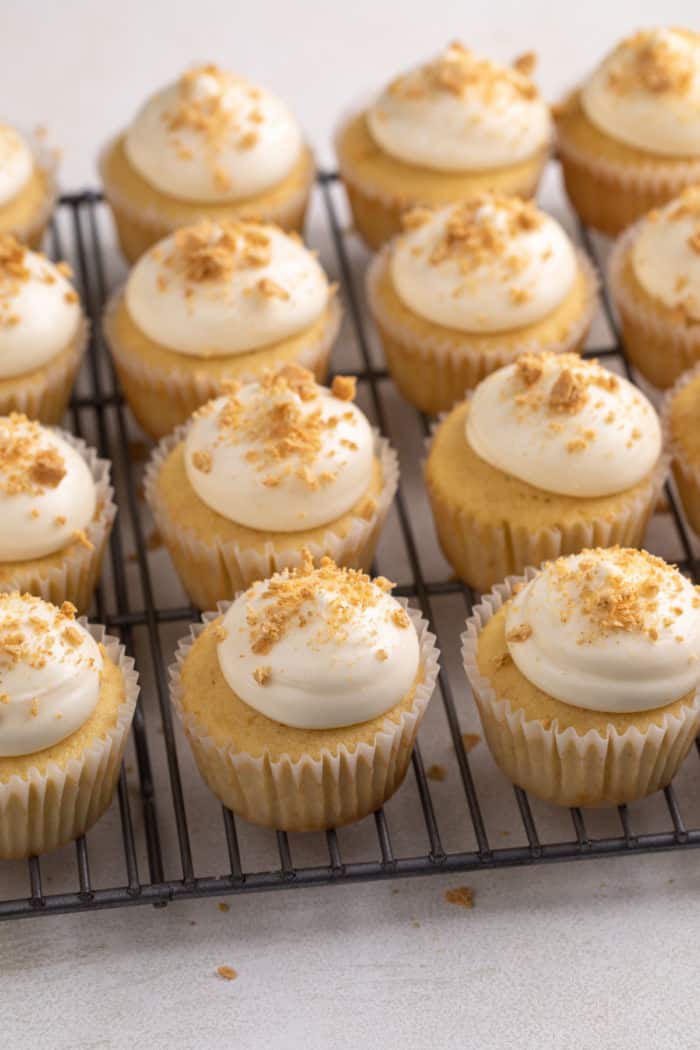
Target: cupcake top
{"type": "Point", "coordinates": [39, 310]}
{"type": "Point", "coordinates": [47, 493]}
{"type": "Point", "coordinates": [214, 137]}
{"type": "Point", "coordinates": [319, 648]}
{"type": "Point", "coordinates": [565, 425]}
{"type": "Point", "coordinates": [646, 93]}
{"type": "Point", "coordinates": [281, 453]}
{"type": "Point", "coordinates": [16, 163]}
{"type": "Point", "coordinates": [488, 264]}
{"type": "Point", "coordinates": [666, 255]}
{"type": "Point", "coordinates": [212, 290]}
{"type": "Point", "coordinates": [460, 112]}
{"type": "Point", "coordinates": [50, 669]}
{"type": "Point", "coordinates": [608, 630]}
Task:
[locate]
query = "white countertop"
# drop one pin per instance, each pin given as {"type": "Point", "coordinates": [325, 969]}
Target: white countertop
{"type": "Point", "coordinates": [599, 954]}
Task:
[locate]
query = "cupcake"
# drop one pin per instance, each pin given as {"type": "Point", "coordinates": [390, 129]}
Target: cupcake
{"type": "Point", "coordinates": [681, 418]}
{"type": "Point", "coordinates": [629, 137]}
{"type": "Point", "coordinates": [466, 289]}
{"type": "Point", "coordinates": [43, 333]}
{"type": "Point", "coordinates": [56, 512]}
{"type": "Point", "coordinates": [585, 674]}
{"type": "Point", "coordinates": [445, 131]}
{"type": "Point", "coordinates": [210, 145]}
{"type": "Point", "coordinates": [550, 455]}
{"type": "Point", "coordinates": [213, 303]}
{"type": "Point", "coordinates": [67, 697]}
{"type": "Point", "coordinates": [273, 466]}
{"type": "Point", "coordinates": [301, 700]}
{"type": "Point", "coordinates": [654, 276]}
{"type": "Point", "coordinates": [27, 188]}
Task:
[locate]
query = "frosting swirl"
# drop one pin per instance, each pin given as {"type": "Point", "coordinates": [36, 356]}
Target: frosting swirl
{"type": "Point", "coordinates": [281, 453]}
{"type": "Point", "coordinates": [212, 136]}
{"type": "Point", "coordinates": [16, 163]}
{"type": "Point", "coordinates": [214, 290]}
{"type": "Point", "coordinates": [50, 669]}
{"type": "Point", "coordinates": [489, 264]}
{"type": "Point", "coordinates": [565, 425]}
{"type": "Point", "coordinates": [666, 254]}
{"type": "Point", "coordinates": [461, 113]}
{"type": "Point", "coordinates": [608, 630]}
{"type": "Point", "coordinates": [319, 648]}
{"type": "Point", "coordinates": [646, 93]}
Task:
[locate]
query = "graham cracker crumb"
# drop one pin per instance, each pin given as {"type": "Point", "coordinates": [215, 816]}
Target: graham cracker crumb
{"type": "Point", "coordinates": [262, 675]}
{"type": "Point", "coordinates": [568, 393]}
{"type": "Point", "coordinates": [344, 387]}
{"type": "Point", "coordinates": [460, 895]}
{"type": "Point", "coordinates": [521, 633]}
{"type": "Point", "coordinates": [470, 740]}
{"type": "Point", "coordinates": [202, 461]}
{"type": "Point", "coordinates": [436, 772]}
{"type": "Point", "coordinates": [271, 289]}
{"type": "Point", "coordinates": [227, 972]}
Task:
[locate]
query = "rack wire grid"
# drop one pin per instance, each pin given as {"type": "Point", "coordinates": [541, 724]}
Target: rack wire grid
{"type": "Point", "coordinates": [165, 837]}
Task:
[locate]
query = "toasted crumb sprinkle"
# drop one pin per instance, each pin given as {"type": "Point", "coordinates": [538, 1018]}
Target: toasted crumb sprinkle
{"type": "Point", "coordinates": [227, 972]}
{"type": "Point", "coordinates": [470, 740]}
{"type": "Point", "coordinates": [271, 289]}
{"type": "Point", "coordinates": [521, 633]}
{"type": "Point", "coordinates": [81, 537]}
{"type": "Point", "coordinates": [262, 675]}
{"type": "Point", "coordinates": [39, 635]}
{"type": "Point", "coordinates": [382, 654]}
{"type": "Point", "coordinates": [568, 393]}
{"type": "Point", "coordinates": [460, 895]}
{"type": "Point", "coordinates": [458, 71]}
{"type": "Point", "coordinates": [27, 463]}
{"type": "Point", "coordinates": [651, 63]}
{"type": "Point", "coordinates": [208, 252]}
{"type": "Point", "coordinates": [220, 633]}
{"type": "Point", "coordinates": [202, 461]}
{"type": "Point", "coordinates": [436, 772]}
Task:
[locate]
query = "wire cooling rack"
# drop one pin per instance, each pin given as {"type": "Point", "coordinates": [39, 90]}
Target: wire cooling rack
{"type": "Point", "coordinates": [165, 837]}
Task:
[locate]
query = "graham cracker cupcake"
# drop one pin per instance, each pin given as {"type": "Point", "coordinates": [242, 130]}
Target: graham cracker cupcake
{"type": "Point", "coordinates": [276, 466]}
{"type": "Point", "coordinates": [43, 333]}
{"type": "Point", "coordinates": [681, 419]}
{"type": "Point", "coordinates": [654, 277]}
{"type": "Point", "coordinates": [550, 455]}
{"type": "Point", "coordinates": [629, 137]}
{"type": "Point", "coordinates": [214, 303]}
{"type": "Point", "coordinates": [68, 694]}
{"type": "Point", "coordinates": [586, 673]}
{"type": "Point", "coordinates": [302, 699]}
{"type": "Point", "coordinates": [27, 187]}
{"type": "Point", "coordinates": [208, 146]}
{"type": "Point", "coordinates": [466, 289]}
{"type": "Point", "coordinates": [442, 132]}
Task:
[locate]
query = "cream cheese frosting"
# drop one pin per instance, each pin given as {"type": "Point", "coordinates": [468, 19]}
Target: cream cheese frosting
{"type": "Point", "coordinates": [218, 289]}
{"type": "Point", "coordinates": [50, 669]}
{"type": "Point", "coordinates": [666, 254]}
{"type": "Point", "coordinates": [281, 453]}
{"type": "Point", "coordinates": [39, 310]}
{"type": "Point", "coordinates": [460, 112]}
{"type": "Point", "coordinates": [319, 648]}
{"type": "Point", "coordinates": [213, 137]}
{"type": "Point", "coordinates": [608, 630]}
{"type": "Point", "coordinates": [489, 264]}
{"type": "Point", "coordinates": [47, 493]}
{"type": "Point", "coordinates": [646, 93]}
{"type": "Point", "coordinates": [565, 425]}
{"type": "Point", "coordinates": [16, 163]}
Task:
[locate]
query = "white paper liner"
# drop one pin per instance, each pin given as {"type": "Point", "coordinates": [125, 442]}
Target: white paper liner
{"type": "Point", "coordinates": [687, 474]}
{"type": "Point", "coordinates": [33, 230]}
{"type": "Point", "coordinates": [214, 570]}
{"type": "Point", "coordinates": [309, 794]}
{"type": "Point", "coordinates": [563, 766]}
{"type": "Point", "coordinates": [44, 393]}
{"type": "Point", "coordinates": [74, 580]}
{"type": "Point", "coordinates": [49, 809]}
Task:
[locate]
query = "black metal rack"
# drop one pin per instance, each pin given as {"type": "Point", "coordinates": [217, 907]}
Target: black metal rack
{"type": "Point", "coordinates": [150, 848]}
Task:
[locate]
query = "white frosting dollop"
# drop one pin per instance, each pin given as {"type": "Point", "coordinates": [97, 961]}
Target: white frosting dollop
{"type": "Point", "coordinates": [50, 669]}
{"type": "Point", "coordinates": [666, 254]}
{"type": "Point", "coordinates": [460, 113]}
{"type": "Point", "coordinates": [281, 454]}
{"type": "Point", "coordinates": [486, 265]}
{"type": "Point", "coordinates": [16, 163]}
{"type": "Point", "coordinates": [347, 652]}
{"type": "Point", "coordinates": [213, 137]}
{"type": "Point", "coordinates": [608, 630]}
{"type": "Point", "coordinates": [606, 441]}
{"type": "Point", "coordinates": [646, 93]}
{"type": "Point", "coordinates": [213, 290]}
{"type": "Point", "coordinates": [47, 493]}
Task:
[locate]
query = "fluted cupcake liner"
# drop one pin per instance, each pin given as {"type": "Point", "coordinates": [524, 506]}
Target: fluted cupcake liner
{"type": "Point", "coordinates": [686, 474]}
{"type": "Point", "coordinates": [309, 794]}
{"type": "Point", "coordinates": [44, 394]}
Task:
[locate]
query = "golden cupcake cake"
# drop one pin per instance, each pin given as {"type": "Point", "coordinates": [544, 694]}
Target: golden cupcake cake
{"type": "Point", "coordinates": [550, 455]}
{"type": "Point", "coordinates": [654, 278]}
{"type": "Point", "coordinates": [212, 303]}
{"type": "Point", "coordinates": [586, 673]}
{"type": "Point", "coordinates": [467, 288]}
{"type": "Point", "coordinates": [629, 136]}
{"type": "Point", "coordinates": [43, 333]}
{"type": "Point", "coordinates": [56, 512]}
{"type": "Point", "coordinates": [681, 419]}
{"type": "Point", "coordinates": [27, 187]}
{"type": "Point", "coordinates": [442, 132]}
{"type": "Point", "coordinates": [275, 466]}
{"type": "Point", "coordinates": [302, 699]}
{"type": "Point", "coordinates": [67, 697]}
{"type": "Point", "coordinates": [210, 145]}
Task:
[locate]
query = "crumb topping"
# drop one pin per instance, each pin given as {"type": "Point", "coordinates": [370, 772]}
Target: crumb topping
{"type": "Point", "coordinates": [27, 464]}
{"type": "Point", "coordinates": [15, 273]}
{"type": "Point", "coordinates": [652, 63]}
{"type": "Point", "coordinates": [458, 71]}
{"type": "Point", "coordinates": [210, 253]}
{"type": "Point", "coordinates": [40, 634]}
